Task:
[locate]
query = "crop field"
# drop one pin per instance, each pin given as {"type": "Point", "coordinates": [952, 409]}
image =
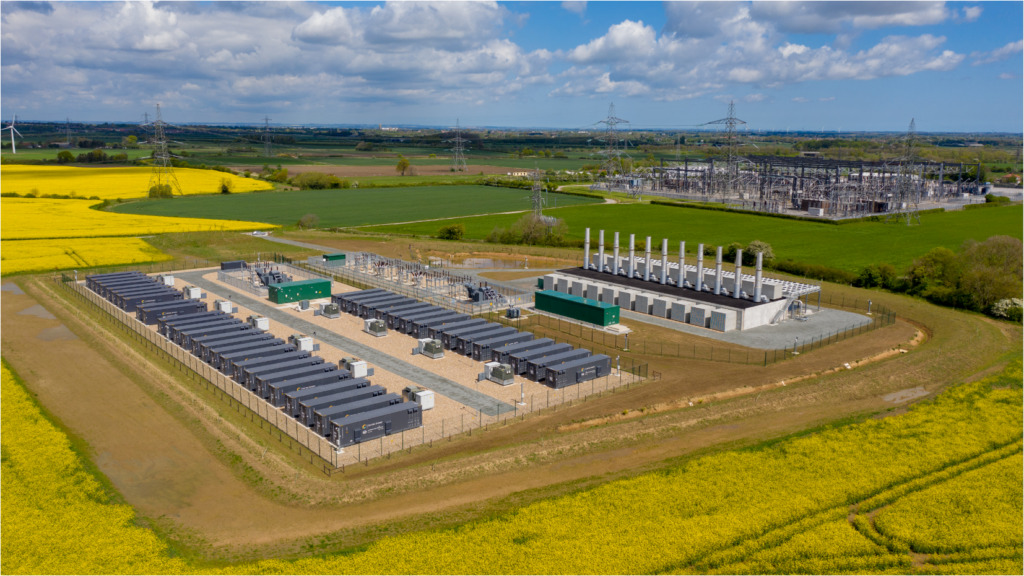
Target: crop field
{"type": "Point", "coordinates": [891, 500]}
{"type": "Point", "coordinates": [112, 183]}
{"type": "Point", "coordinates": [352, 207]}
{"type": "Point", "coordinates": [51, 154]}
{"type": "Point", "coordinates": [43, 234]}
{"type": "Point", "coordinates": [37, 218]}
{"type": "Point", "coordinates": [847, 247]}
{"type": "Point", "coordinates": [21, 256]}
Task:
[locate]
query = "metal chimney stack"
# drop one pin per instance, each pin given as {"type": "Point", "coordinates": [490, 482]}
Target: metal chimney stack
{"type": "Point", "coordinates": [738, 282]}
{"type": "Point", "coordinates": [632, 261]}
{"type": "Point", "coordinates": [600, 251]}
{"type": "Point", "coordinates": [757, 280]}
{"type": "Point", "coordinates": [615, 262]}
{"type": "Point", "coordinates": [700, 267]}
{"type": "Point", "coordinates": [718, 271]}
{"type": "Point", "coordinates": [682, 261]}
{"type": "Point", "coordinates": [664, 260]}
{"type": "Point", "coordinates": [586, 250]}
{"type": "Point", "coordinates": [647, 260]}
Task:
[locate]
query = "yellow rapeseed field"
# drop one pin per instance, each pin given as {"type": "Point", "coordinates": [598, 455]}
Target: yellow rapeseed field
{"type": "Point", "coordinates": [69, 234]}
{"type": "Point", "coordinates": [801, 505]}
{"type": "Point", "coordinates": [18, 256]}
{"type": "Point", "coordinates": [112, 183]}
{"type": "Point", "coordinates": [25, 218]}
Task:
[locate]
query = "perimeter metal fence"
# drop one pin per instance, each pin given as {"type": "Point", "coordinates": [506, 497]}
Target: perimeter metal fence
{"type": "Point", "coordinates": [296, 436]}
{"type": "Point", "coordinates": [609, 343]}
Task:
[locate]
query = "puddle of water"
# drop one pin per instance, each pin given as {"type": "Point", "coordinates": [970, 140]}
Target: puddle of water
{"type": "Point", "coordinates": [56, 333]}
{"type": "Point", "coordinates": [12, 288]}
{"type": "Point", "coordinates": [901, 396]}
{"type": "Point", "coordinates": [38, 311]}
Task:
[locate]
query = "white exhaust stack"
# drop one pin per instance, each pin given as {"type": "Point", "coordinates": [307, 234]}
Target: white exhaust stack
{"type": "Point", "coordinates": [632, 261]}
{"type": "Point", "coordinates": [586, 249]}
{"type": "Point", "coordinates": [718, 271]}
{"type": "Point", "coordinates": [615, 263]}
{"type": "Point", "coordinates": [738, 282]}
{"type": "Point", "coordinates": [757, 280]}
{"type": "Point", "coordinates": [700, 267]}
{"type": "Point", "coordinates": [664, 260]}
{"type": "Point", "coordinates": [682, 261]}
{"type": "Point", "coordinates": [600, 251]}
{"type": "Point", "coordinates": [647, 260]}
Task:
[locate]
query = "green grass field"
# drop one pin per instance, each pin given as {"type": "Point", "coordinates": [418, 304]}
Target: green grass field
{"type": "Point", "coordinates": [51, 153]}
{"type": "Point", "coordinates": [847, 247]}
{"type": "Point", "coordinates": [353, 207]}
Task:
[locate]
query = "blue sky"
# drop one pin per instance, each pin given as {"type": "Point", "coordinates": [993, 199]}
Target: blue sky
{"type": "Point", "coordinates": [952, 66]}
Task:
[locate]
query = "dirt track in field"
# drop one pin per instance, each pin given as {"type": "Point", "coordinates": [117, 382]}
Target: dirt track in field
{"type": "Point", "coordinates": [163, 467]}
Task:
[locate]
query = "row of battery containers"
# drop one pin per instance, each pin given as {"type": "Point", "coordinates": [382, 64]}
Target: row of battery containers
{"type": "Point", "coordinates": [511, 352]}
{"type": "Point", "coordinates": [340, 404]}
{"type": "Point", "coordinates": [719, 319]}
{"type": "Point", "coordinates": [283, 373]}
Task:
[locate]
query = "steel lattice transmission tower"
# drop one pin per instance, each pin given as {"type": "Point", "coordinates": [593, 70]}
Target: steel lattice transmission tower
{"type": "Point", "coordinates": [268, 147]}
{"type": "Point", "coordinates": [163, 170]}
{"type": "Point", "coordinates": [613, 153]}
{"type": "Point", "coordinates": [730, 122]}
{"type": "Point", "coordinates": [909, 181]}
{"type": "Point", "coordinates": [539, 199]}
{"type": "Point", "coordinates": [458, 150]}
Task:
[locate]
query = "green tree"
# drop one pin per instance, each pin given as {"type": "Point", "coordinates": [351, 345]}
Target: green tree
{"type": "Point", "coordinates": [309, 221]}
{"type": "Point", "coordinates": [402, 166]}
{"type": "Point", "coordinates": [939, 267]}
{"type": "Point", "coordinates": [767, 253]}
{"type": "Point", "coordinates": [63, 157]}
{"type": "Point", "coordinates": [160, 191]}
{"type": "Point", "coordinates": [452, 232]}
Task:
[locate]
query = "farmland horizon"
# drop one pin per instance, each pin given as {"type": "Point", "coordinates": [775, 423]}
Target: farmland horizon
{"type": "Point", "coordinates": [523, 127]}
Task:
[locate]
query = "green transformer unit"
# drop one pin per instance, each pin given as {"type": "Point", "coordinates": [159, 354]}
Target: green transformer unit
{"type": "Point", "coordinates": [299, 290]}
{"type": "Point", "coordinates": [577, 307]}
{"type": "Point", "coordinates": [336, 259]}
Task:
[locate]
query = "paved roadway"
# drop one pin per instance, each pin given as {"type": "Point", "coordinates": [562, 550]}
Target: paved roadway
{"type": "Point", "coordinates": [439, 384]}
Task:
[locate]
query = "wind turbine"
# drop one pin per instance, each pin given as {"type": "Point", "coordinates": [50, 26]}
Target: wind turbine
{"type": "Point", "coordinates": [13, 132]}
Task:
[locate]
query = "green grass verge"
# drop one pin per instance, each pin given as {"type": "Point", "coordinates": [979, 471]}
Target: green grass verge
{"type": "Point", "coordinates": [351, 207]}
{"type": "Point", "coordinates": [849, 247]}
